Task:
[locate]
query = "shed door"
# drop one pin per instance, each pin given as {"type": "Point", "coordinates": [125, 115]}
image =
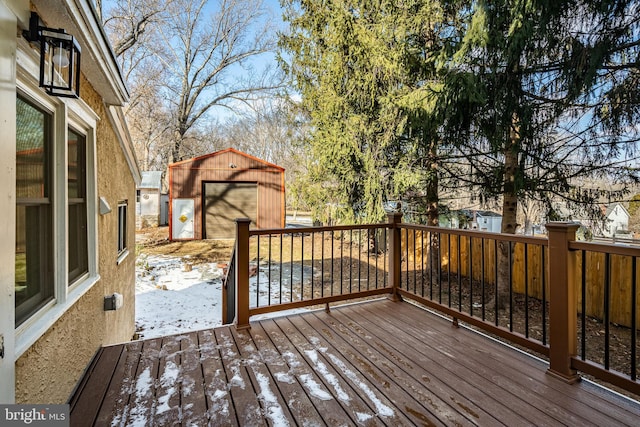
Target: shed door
{"type": "Point", "coordinates": [182, 219]}
{"type": "Point", "coordinates": [223, 203]}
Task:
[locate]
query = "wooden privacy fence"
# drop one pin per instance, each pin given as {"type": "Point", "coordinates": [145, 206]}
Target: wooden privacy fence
{"type": "Point", "coordinates": [458, 255]}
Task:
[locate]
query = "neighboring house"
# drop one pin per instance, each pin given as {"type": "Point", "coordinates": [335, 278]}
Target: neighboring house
{"type": "Point", "coordinates": [68, 190]}
{"type": "Point", "coordinates": [616, 220]}
{"type": "Point", "coordinates": [148, 200]}
{"type": "Point", "coordinates": [209, 192]}
{"type": "Point", "coordinates": [487, 221]}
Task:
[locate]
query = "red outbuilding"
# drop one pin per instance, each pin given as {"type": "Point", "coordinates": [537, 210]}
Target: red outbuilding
{"type": "Point", "coordinates": [207, 194]}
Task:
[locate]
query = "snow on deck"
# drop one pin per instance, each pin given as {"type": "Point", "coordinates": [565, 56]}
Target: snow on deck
{"type": "Point", "coordinates": [376, 363]}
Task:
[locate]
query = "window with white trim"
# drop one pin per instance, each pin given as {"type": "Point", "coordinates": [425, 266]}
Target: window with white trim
{"type": "Point", "coordinates": [56, 208]}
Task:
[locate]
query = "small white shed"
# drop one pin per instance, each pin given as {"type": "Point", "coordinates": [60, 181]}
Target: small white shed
{"type": "Point", "coordinates": [148, 200]}
{"type": "Point", "coordinates": [487, 221]}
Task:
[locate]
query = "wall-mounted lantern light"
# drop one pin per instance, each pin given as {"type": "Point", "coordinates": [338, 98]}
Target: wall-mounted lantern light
{"type": "Point", "coordinates": [59, 58]}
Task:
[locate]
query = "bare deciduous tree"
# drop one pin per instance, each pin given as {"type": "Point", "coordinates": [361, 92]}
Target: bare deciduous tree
{"type": "Point", "coordinates": [128, 21]}
{"type": "Point", "coordinates": [207, 59]}
{"type": "Point", "coordinates": [182, 59]}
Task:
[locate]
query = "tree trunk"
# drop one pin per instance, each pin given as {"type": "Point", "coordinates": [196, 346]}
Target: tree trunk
{"type": "Point", "coordinates": [509, 211]}
{"type": "Point", "coordinates": [176, 150]}
{"type": "Point", "coordinates": [432, 210]}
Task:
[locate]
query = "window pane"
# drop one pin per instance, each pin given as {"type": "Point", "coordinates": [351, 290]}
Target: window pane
{"type": "Point", "coordinates": [77, 165]}
{"type": "Point", "coordinates": [32, 132]}
{"type": "Point", "coordinates": [77, 180]}
{"type": "Point", "coordinates": [122, 226]}
{"type": "Point", "coordinates": [34, 253]}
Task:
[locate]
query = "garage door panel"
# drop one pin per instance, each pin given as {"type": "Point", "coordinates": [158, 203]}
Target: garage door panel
{"type": "Point", "coordinates": [223, 203]}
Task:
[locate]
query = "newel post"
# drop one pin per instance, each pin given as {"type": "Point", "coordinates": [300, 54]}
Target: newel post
{"type": "Point", "coordinates": [242, 273]}
{"type": "Point", "coordinates": [563, 324]}
{"type": "Point", "coordinates": [395, 254]}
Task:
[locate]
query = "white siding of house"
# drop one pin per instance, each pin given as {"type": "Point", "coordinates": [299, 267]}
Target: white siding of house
{"type": "Point", "coordinates": [491, 224]}
{"type": "Point", "coordinates": [617, 220]}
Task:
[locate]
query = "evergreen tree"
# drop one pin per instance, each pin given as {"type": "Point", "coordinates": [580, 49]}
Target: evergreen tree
{"type": "Point", "coordinates": [368, 75]}
{"type": "Point", "coordinates": [536, 72]}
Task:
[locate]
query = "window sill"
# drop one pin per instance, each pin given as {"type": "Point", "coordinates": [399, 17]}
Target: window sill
{"type": "Point", "coordinates": [35, 327]}
{"type": "Point", "coordinates": [122, 256]}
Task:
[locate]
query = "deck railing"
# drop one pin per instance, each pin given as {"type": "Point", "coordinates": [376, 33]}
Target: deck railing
{"type": "Point", "coordinates": [542, 294]}
{"type": "Point", "coordinates": [607, 338]}
{"type": "Point", "coordinates": [458, 272]}
{"type": "Point", "coordinates": [299, 267]}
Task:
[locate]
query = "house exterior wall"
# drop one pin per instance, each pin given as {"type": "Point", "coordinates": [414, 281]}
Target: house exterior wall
{"type": "Point", "coordinates": [186, 178]}
{"type": "Point", "coordinates": [48, 371]}
{"type": "Point", "coordinates": [491, 224]}
{"type": "Point", "coordinates": [617, 220]}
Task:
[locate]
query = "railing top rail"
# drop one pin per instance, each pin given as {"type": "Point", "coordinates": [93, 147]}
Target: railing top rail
{"type": "Point", "coordinates": [614, 249]}
{"type": "Point", "coordinates": [293, 230]}
{"type": "Point", "coordinates": [543, 241]}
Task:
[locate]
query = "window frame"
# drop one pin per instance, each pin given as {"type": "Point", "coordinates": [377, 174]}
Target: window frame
{"type": "Point", "coordinates": [67, 114]}
{"type": "Point", "coordinates": [81, 271]}
{"type": "Point", "coordinates": [44, 218]}
{"type": "Point", "coordinates": [123, 223]}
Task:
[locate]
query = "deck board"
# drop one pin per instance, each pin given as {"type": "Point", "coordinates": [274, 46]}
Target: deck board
{"type": "Point", "coordinates": [218, 399]}
{"type": "Point", "coordinates": [192, 395]}
{"type": "Point", "coordinates": [523, 376]}
{"type": "Point", "coordinates": [123, 375]}
{"type": "Point", "coordinates": [524, 406]}
{"type": "Point", "coordinates": [86, 403]}
{"type": "Point", "coordinates": [246, 404]}
{"type": "Point", "coordinates": [375, 363]}
{"type": "Point", "coordinates": [433, 394]}
{"type": "Point", "coordinates": [331, 409]}
{"type": "Point", "coordinates": [142, 393]}
{"type": "Point", "coordinates": [269, 365]}
{"type": "Point", "coordinates": [402, 398]}
{"type": "Point", "coordinates": [334, 383]}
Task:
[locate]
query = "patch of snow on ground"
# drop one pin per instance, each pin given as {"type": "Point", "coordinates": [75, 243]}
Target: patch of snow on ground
{"type": "Point", "coordinates": [170, 300]}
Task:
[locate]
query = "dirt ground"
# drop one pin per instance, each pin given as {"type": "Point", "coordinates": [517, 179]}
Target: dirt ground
{"type": "Point", "coordinates": [155, 241]}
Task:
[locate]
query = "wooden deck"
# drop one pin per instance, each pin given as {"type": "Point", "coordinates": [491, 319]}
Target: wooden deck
{"type": "Point", "coordinates": [376, 363]}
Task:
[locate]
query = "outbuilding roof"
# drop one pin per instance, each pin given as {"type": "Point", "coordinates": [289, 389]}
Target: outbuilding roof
{"type": "Point", "coordinates": [151, 179]}
{"type": "Point", "coordinates": [227, 150]}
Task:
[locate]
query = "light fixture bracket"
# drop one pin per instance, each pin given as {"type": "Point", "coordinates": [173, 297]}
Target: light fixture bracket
{"type": "Point", "coordinates": [59, 58]}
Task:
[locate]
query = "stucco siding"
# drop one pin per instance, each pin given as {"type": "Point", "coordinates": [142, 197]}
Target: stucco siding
{"type": "Point", "coordinates": [48, 371]}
